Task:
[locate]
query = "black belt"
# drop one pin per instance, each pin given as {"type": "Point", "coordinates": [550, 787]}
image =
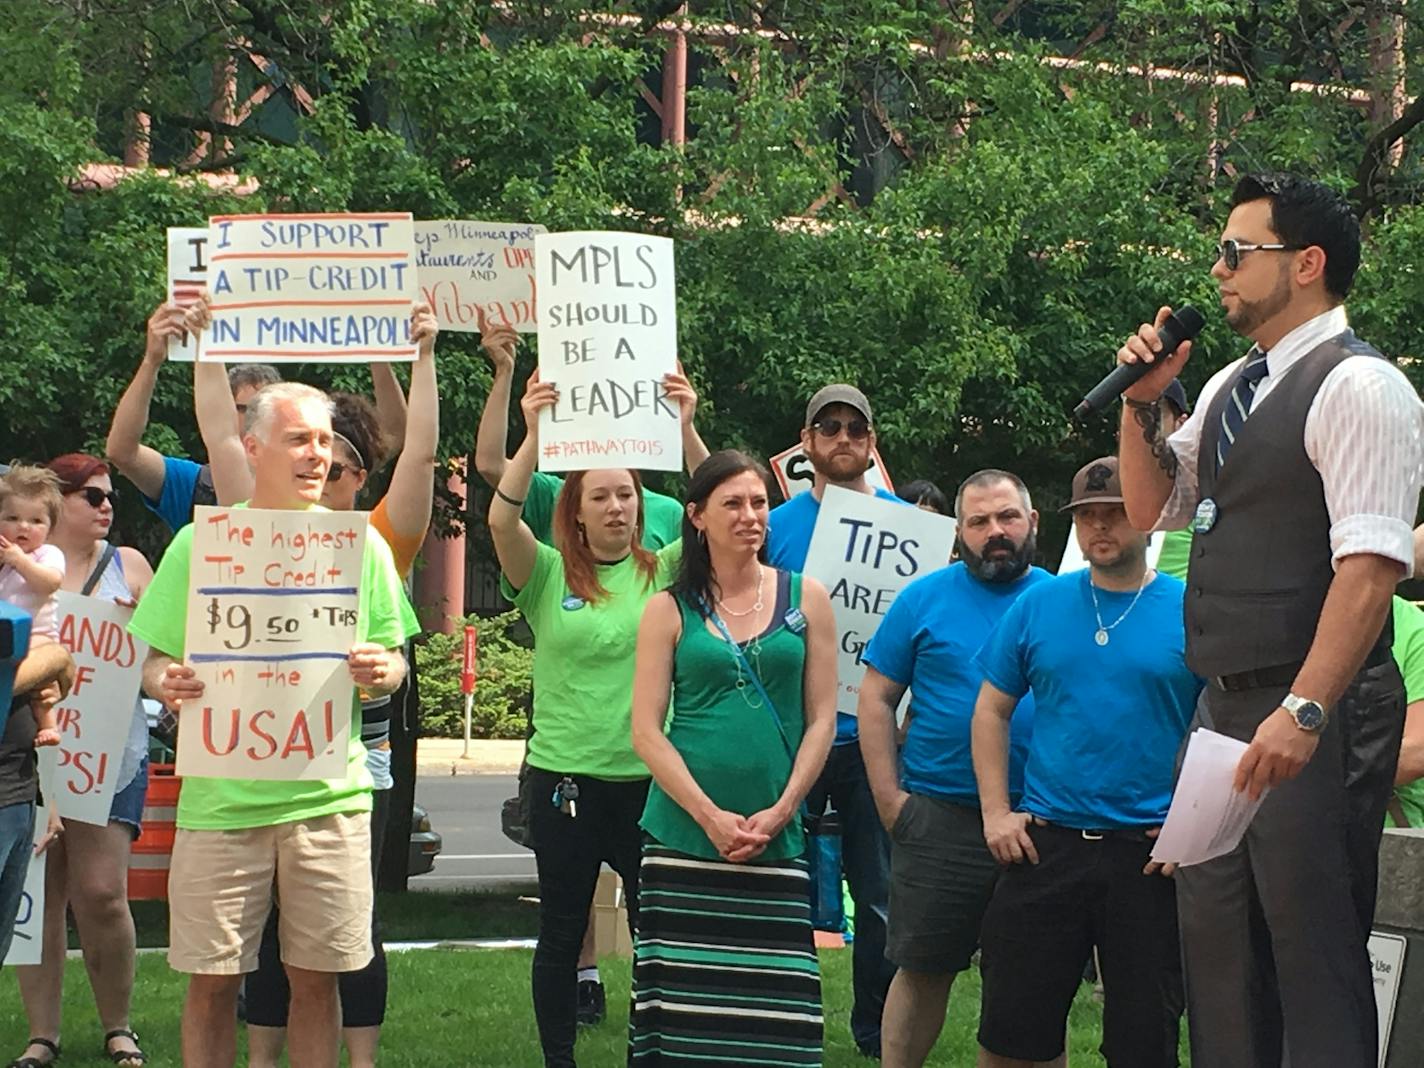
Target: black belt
{"type": "Point", "coordinates": [1127, 834]}
{"type": "Point", "coordinates": [1284, 674]}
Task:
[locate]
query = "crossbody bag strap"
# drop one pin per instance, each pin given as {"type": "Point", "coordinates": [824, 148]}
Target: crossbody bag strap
{"type": "Point", "coordinates": [756, 679]}
{"type": "Point", "coordinates": [99, 569]}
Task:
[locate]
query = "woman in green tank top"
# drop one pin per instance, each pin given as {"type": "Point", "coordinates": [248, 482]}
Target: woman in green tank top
{"type": "Point", "coordinates": [747, 655]}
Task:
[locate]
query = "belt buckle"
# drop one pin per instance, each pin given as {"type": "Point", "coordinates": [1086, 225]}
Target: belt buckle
{"type": "Point", "coordinates": [1091, 836]}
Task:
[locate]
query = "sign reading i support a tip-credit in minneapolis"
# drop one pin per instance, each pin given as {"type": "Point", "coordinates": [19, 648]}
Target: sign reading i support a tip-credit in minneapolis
{"type": "Point", "coordinates": [866, 550]}
{"type": "Point", "coordinates": [95, 719]}
{"type": "Point", "coordinates": [311, 288]}
{"type": "Point", "coordinates": [607, 336]}
{"type": "Point", "coordinates": [272, 607]}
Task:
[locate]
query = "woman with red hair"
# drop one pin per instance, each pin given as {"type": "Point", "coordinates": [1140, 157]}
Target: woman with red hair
{"type": "Point", "coordinates": [88, 865]}
{"type": "Point", "coordinates": [583, 598]}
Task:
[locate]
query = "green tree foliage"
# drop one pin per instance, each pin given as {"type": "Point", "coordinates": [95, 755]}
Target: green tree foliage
{"type": "Point", "coordinates": [963, 207]}
{"type": "Point", "coordinates": [502, 693]}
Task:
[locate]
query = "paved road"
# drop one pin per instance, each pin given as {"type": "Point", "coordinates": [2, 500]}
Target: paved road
{"type": "Point", "coordinates": [475, 854]}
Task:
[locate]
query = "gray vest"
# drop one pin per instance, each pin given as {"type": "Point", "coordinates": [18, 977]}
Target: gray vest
{"type": "Point", "coordinates": [1257, 580]}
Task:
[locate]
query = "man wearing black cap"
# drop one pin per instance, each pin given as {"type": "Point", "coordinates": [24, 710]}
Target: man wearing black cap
{"type": "Point", "coordinates": [1299, 473]}
{"type": "Point", "coordinates": [1102, 650]}
{"type": "Point", "coordinates": [838, 440]}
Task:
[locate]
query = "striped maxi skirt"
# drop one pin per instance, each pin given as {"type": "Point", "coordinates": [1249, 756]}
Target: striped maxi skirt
{"type": "Point", "coordinates": [725, 970]}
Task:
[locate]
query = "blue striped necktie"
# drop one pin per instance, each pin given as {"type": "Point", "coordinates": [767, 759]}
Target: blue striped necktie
{"type": "Point", "coordinates": [1238, 407]}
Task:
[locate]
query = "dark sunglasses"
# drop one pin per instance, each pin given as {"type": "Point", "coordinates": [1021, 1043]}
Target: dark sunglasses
{"type": "Point", "coordinates": [96, 497]}
{"type": "Point", "coordinates": [829, 428]}
{"type": "Point", "coordinates": [337, 469]}
{"type": "Point", "coordinates": [1230, 251]}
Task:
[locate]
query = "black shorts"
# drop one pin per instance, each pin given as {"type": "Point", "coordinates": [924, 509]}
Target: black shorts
{"type": "Point", "coordinates": [941, 876]}
{"type": "Point", "coordinates": [1040, 930]}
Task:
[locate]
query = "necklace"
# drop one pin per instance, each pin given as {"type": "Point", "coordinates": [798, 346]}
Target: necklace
{"type": "Point", "coordinates": [1101, 637]}
{"type": "Point", "coordinates": [756, 607]}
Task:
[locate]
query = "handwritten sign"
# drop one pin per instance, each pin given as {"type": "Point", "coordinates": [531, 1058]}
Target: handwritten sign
{"type": "Point", "coordinates": [95, 718]}
{"type": "Point", "coordinates": [464, 265]}
{"type": "Point", "coordinates": [866, 550]}
{"type": "Point", "coordinates": [794, 473]}
{"type": "Point", "coordinates": [187, 275]}
{"type": "Point", "coordinates": [607, 336]}
{"type": "Point", "coordinates": [27, 947]}
{"type": "Point", "coordinates": [316, 288]}
{"type": "Point", "coordinates": [272, 604]}
{"type": "Point", "coordinates": [1386, 963]}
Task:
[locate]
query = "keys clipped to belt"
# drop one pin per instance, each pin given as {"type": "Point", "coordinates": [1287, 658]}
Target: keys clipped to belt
{"type": "Point", "coordinates": [565, 797]}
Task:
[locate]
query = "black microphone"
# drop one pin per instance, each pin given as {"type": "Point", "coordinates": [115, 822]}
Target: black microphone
{"type": "Point", "coordinates": [1182, 325]}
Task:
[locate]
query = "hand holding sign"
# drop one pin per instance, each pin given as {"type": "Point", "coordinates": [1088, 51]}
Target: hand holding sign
{"type": "Point", "coordinates": [167, 324]}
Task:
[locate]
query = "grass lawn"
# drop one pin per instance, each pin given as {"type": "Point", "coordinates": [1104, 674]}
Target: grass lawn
{"type": "Point", "coordinates": [450, 1007]}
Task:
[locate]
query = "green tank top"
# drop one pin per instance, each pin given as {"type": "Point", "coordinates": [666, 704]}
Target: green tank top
{"type": "Point", "coordinates": [726, 734]}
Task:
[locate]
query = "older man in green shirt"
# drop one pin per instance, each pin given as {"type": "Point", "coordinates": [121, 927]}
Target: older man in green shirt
{"type": "Point", "coordinates": [236, 835]}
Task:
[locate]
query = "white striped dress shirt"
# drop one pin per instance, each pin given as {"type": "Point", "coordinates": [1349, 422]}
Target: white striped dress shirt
{"type": "Point", "coordinates": [1364, 433]}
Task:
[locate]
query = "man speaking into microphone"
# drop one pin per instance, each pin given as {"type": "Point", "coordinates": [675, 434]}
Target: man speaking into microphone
{"type": "Point", "coordinates": [1299, 474]}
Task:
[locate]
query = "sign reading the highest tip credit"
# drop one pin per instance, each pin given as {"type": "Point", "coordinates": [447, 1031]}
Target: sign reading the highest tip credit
{"type": "Point", "coordinates": [607, 336]}
{"type": "Point", "coordinates": [332, 288]}
{"type": "Point", "coordinates": [272, 612]}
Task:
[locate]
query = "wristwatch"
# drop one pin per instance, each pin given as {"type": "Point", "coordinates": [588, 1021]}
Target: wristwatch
{"type": "Point", "coordinates": [1309, 715]}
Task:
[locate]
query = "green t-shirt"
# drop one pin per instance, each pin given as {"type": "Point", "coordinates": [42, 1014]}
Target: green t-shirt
{"type": "Point", "coordinates": [662, 515]}
{"type": "Point", "coordinates": [384, 617]}
{"type": "Point", "coordinates": [1176, 553]}
{"type": "Point", "coordinates": [726, 735]}
{"type": "Point", "coordinates": [583, 663]}
{"type": "Point", "coordinates": [1409, 655]}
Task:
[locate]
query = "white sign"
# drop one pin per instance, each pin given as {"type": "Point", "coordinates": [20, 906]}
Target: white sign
{"type": "Point", "coordinates": [187, 275]}
{"type": "Point", "coordinates": [607, 336]}
{"type": "Point", "coordinates": [1073, 559]}
{"type": "Point", "coordinates": [27, 945]}
{"type": "Point", "coordinates": [466, 266]}
{"type": "Point", "coordinates": [794, 473]}
{"type": "Point", "coordinates": [1386, 962]}
{"type": "Point", "coordinates": [866, 550]}
{"type": "Point", "coordinates": [272, 605]}
{"type": "Point", "coordinates": [94, 720]}
{"type": "Point", "coordinates": [334, 288]}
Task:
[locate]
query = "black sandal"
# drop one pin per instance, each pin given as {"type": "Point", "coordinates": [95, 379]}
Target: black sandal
{"type": "Point", "coordinates": [130, 1058]}
{"type": "Point", "coordinates": [32, 1062]}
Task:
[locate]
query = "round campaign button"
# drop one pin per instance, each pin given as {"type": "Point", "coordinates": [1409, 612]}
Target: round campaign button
{"type": "Point", "coordinates": [1207, 514]}
{"type": "Point", "coordinates": [572, 603]}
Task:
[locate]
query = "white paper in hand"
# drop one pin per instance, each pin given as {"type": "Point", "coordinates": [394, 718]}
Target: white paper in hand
{"type": "Point", "coordinates": [1208, 815]}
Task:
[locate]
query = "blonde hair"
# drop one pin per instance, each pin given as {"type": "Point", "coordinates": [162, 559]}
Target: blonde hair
{"type": "Point", "coordinates": [34, 483]}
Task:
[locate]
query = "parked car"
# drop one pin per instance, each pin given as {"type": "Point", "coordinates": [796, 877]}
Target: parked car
{"type": "Point", "coordinates": [425, 842]}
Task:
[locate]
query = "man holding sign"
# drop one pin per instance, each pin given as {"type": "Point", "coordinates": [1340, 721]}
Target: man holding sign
{"type": "Point", "coordinates": [839, 439]}
{"type": "Point", "coordinates": [234, 835]}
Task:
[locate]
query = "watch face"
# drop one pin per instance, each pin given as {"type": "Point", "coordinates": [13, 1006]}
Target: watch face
{"type": "Point", "coordinates": [1310, 716]}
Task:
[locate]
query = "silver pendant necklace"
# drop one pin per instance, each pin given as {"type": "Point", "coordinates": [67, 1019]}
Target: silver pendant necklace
{"type": "Point", "coordinates": [1101, 636]}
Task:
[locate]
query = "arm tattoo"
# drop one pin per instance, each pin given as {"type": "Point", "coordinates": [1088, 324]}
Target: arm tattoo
{"type": "Point", "coordinates": [1149, 418]}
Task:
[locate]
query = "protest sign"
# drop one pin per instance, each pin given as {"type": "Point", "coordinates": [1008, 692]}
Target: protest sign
{"type": "Point", "coordinates": [866, 550]}
{"type": "Point", "coordinates": [95, 719]}
{"type": "Point", "coordinates": [272, 604]}
{"type": "Point", "coordinates": [27, 946]}
{"type": "Point", "coordinates": [607, 336]}
{"type": "Point", "coordinates": [187, 275]}
{"type": "Point", "coordinates": [464, 265]}
{"type": "Point", "coordinates": [794, 473]}
{"type": "Point", "coordinates": [332, 288]}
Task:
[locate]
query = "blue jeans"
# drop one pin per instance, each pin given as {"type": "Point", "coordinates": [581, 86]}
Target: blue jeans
{"type": "Point", "coordinates": [865, 854]}
{"type": "Point", "coordinates": [17, 845]}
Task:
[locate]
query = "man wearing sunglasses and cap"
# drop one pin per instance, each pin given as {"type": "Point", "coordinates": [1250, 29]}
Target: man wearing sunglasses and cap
{"type": "Point", "coordinates": [1299, 474]}
{"type": "Point", "coordinates": [839, 440]}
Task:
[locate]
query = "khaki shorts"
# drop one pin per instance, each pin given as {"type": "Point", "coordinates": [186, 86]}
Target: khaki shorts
{"type": "Point", "coordinates": [221, 886]}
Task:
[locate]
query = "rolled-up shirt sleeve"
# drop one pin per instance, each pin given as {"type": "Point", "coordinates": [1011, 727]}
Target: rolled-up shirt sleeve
{"type": "Point", "coordinates": [1365, 435]}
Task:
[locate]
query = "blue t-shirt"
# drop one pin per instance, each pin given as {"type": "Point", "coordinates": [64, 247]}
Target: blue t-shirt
{"type": "Point", "coordinates": [928, 641]}
{"type": "Point", "coordinates": [788, 539]}
{"type": "Point", "coordinates": [1108, 719]}
{"type": "Point", "coordinates": [175, 500]}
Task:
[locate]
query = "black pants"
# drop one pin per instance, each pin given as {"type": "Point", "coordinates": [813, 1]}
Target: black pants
{"type": "Point", "coordinates": [1274, 933]}
{"type": "Point", "coordinates": [1038, 935]}
{"type": "Point", "coordinates": [363, 993]}
{"type": "Point", "coordinates": [569, 851]}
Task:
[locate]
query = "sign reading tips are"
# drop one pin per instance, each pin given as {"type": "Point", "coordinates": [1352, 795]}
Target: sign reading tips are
{"type": "Point", "coordinates": [607, 336]}
{"type": "Point", "coordinates": [272, 612]}
{"type": "Point", "coordinates": [866, 550]}
{"type": "Point", "coordinates": [335, 288]}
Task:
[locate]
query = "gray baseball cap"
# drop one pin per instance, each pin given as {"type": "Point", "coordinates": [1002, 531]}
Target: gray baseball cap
{"type": "Point", "coordinates": [838, 393]}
